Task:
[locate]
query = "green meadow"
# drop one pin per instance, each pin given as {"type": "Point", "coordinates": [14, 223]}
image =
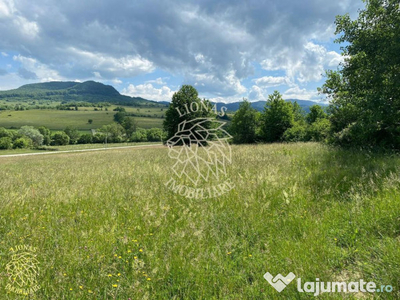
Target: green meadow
{"type": "Point", "coordinates": [57, 120]}
{"type": "Point", "coordinates": [106, 227]}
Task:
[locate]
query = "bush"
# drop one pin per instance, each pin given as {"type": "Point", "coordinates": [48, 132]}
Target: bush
{"type": "Point", "coordinates": [156, 135]}
{"type": "Point", "coordinates": [319, 130]}
{"type": "Point", "coordinates": [140, 135]}
{"type": "Point", "coordinates": [60, 139]}
{"type": "Point", "coordinates": [5, 133]}
{"type": "Point", "coordinates": [86, 138]}
{"type": "Point", "coordinates": [33, 134]}
{"type": "Point", "coordinates": [22, 143]}
{"type": "Point", "coordinates": [99, 137]}
{"type": "Point", "coordinates": [5, 143]}
{"type": "Point", "coordinates": [297, 133]}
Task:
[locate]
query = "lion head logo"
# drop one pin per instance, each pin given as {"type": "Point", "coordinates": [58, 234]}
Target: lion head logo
{"type": "Point", "coordinates": [23, 269]}
{"type": "Point", "coordinates": [201, 150]}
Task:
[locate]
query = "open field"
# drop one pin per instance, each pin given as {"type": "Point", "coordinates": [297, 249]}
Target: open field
{"type": "Point", "coordinates": [106, 227]}
{"type": "Point", "coordinates": [59, 119]}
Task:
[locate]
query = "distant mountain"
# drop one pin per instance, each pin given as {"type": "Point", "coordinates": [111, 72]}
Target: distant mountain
{"type": "Point", "coordinates": [259, 105]}
{"type": "Point", "coordinates": [88, 91]}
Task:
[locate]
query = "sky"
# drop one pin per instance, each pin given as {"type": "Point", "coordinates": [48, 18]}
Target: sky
{"type": "Point", "coordinates": [228, 50]}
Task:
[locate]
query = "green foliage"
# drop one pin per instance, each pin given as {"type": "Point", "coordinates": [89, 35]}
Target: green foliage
{"type": "Point", "coordinates": [46, 135]}
{"type": "Point", "coordinates": [32, 133]}
{"type": "Point", "coordinates": [73, 134]}
{"type": "Point", "coordinates": [244, 124]}
{"type": "Point", "coordinates": [114, 133]}
{"type": "Point", "coordinates": [119, 117]}
{"type": "Point", "coordinates": [85, 138]}
{"type": "Point", "coordinates": [298, 112]}
{"type": "Point", "coordinates": [183, 100]}
{"type": "Point", "coordinates": [90, 121]}
{"type": "Point", "coordinates": [278, 116]}
{"type": "Point", "coordinates": [6, 143]}
{"type": "Point", "coordinates": [130, 125]}
{"type": "Point", "coordinates": [22, 143]}
{"type": "Point", "coordinates": [316, 112]}
{"type": "Point", "coordinates": [365, 92]}
{"type": "Point", "coordinates": [60, 139]}
{"type": "Point", "coordinates": [319, 130]}
{"type": "Point", "coordinates": [5, 133]}
{"type": "Point", "coordinates": [297, 133]}
{"type": "Point", "coordinates": [140, 135]}
{"type": "Point", "coordinates": [156, 135]}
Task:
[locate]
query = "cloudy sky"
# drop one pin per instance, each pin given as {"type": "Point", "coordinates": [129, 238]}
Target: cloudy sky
{"type": "Point", "coordinates": [227, 49]}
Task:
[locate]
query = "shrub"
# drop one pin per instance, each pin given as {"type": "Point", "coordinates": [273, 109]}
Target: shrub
{"type": "Point", "coordinates": [22, 143]}
{"type": "Point", "coordinates": [5, 143]}
{"type": "Point", "coordinates": [86, 138]}
{"type": "Point", "coordinates": [140, 135]}
{"type": "Point", "coordinates": [60, 139]}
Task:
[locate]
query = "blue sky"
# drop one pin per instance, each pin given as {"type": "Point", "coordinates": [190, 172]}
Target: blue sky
{"type": "Point", "coordinates": [228, 50]}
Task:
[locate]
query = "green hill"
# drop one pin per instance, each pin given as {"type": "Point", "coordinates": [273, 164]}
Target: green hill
{"type": "Point", "coordinates": [89, 91]}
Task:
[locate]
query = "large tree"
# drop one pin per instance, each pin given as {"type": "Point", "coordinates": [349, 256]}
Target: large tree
{"type": "Point", "coordinates": [182, 107]}
{"type": "Point", "coordinates": [244, 124]}
{"type": "Point", "coordinates": [365, 91]}
{"type": "Point", "coordinates": [278, 116]}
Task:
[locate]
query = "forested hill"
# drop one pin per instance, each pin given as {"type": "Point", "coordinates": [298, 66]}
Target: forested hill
{"type": "Point", "coordinates": [260, 105]}
{"type": "Point", "coordinates": [88, 91]}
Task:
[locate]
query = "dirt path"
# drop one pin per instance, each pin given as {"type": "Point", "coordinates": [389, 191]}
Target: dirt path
{"type": "Point", "coordinates": [82, 150]}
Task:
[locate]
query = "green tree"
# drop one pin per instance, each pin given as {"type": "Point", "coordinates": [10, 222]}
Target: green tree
{"type": "Point", "coordinates": [85, 138]}
{"type": "Point", "coordinates": [244, 124]}
{"type": "Point", "coordinates": [316, 112]}
{"type": "Point", "coordinates": [186, 99]}
{"type": "Point", "coordinates": [6, 143]}
{"type": "Point", "coordinates": [5, 133]}
{"type": "Point", "coordinates": [277, 117]}
{"type": "Point", "coordinates": [140, 135]}
{"type": "Point", "coordinates": [32, 133]}
{"type": "Point", "coordinates": [114, 132]}
{"type": "Point", "coordinates": [90, 121]}
{"type": "Point", "coordinates": [298, 113]}
{"type": "Point", "coordinates": [22, 143]}
{"type": "Point", "coordinates": [119, 117]}
{"type": "Point", "coordinates": [46, 135]}
{"type": "Point", "coordinates": [73, 134]}
{"type": "Point", "coordinates": [60, 139]}
{"type": "Point", "coordinates": [130, 125]}
{"type": "Point", "coordinates": [365, 91]}
{"type": "Point", "coordinates": [155, 135]}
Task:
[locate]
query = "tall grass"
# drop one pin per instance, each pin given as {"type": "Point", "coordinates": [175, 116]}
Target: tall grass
{"type": "Point", "coordinates": [107, 228]}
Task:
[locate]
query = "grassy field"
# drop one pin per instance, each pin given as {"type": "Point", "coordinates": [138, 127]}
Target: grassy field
{"type": "Point", "coordinates": [59, 119]}
{"type": "Point", "coordinates": [54, 149]}
{"type": "Point", "coordinates": [106, 227]}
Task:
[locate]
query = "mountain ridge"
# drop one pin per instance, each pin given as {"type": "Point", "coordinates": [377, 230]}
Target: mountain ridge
{"type": "Point", "coordinates": [88, 91]}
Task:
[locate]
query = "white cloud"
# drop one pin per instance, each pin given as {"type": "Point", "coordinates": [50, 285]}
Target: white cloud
{"type": "Point", "coordinates": [270, 81]}
{"type": "Point", "coordinates": [4, 54]}
{"type": "Point", "coordinates": [148, 91]}
{"type": "Point", "coordinates": [158, 81]}
{"type": "Point", "coordinates": [307, 65]}
{"type": "Point", "coordinates": [126, 66]}
{"type": "Point", "coordinates": [257, 94]}
{"type": "Point", "coordinates": [42, 71]}
{"type": "Point", "coordinates": [297, 93]}
{"type": "Point", "coordinates": [116, 81]}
